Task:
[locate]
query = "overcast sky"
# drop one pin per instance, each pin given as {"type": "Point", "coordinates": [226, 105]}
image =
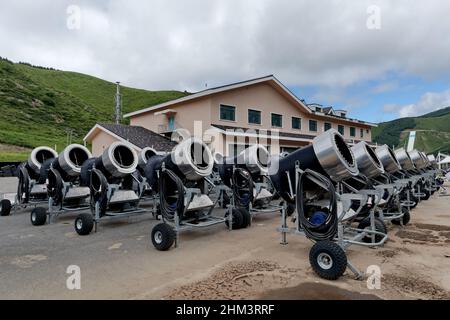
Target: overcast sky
{"type": "Point", "coordinates": [339, 53]}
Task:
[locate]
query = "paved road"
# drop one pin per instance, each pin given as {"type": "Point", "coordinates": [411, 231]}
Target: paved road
{"type": "Point", "coordinates": [119, 262]}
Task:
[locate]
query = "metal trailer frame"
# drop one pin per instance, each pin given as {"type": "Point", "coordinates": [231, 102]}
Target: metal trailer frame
{"type": "Point", "coordinates": [377, 193]}
{"type": "Point", "coordinates": [258, 186]}
{"type": "Point", "coordinates": [206, 220]}
{"type": "Point", "coordinates": [443, 192]}
{"type": "Point", "coordinates": [394, 190]}
{"type": "Point", "coordinates": [16, 205]}
{"type": "Point", "coordinates": [54, 214]}
{"type": "Point", "coordinates": [346, 235]}
{"type": "Point", "coordinates": [126, 213]}
{"type": "Point", "coordinates": [270, 207]}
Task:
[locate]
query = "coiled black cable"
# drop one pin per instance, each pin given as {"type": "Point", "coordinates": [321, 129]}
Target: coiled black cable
{"type": "Point", "coordinates": [242, 184]}
{"type": "Point", "coordinates": [328, 229]}
{"type": "Point", "coordinates": [171, 186]}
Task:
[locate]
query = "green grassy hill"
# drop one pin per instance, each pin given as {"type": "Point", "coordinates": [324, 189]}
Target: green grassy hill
{"type": "Point", "coordinates": [38, 106]}
{"type": "Point", "coordinates": [433, 131]}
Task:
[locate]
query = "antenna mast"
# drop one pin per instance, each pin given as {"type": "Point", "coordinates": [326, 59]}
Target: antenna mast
{"type": "Point", "coordinates": [118, 112]}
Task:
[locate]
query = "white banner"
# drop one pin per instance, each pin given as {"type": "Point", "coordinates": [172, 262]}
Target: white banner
{"type": "Point", "coordinates": [412, 140]}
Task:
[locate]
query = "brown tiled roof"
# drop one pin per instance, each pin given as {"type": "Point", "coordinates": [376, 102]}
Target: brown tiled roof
{"type": "Point", "coordinates": [141, 137]}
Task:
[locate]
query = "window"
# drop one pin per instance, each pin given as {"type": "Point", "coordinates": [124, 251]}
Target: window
{"type": "Point", "coordinates": [277, 120]}
{"type": "Point", "coordinates": [352, 132]}
{"type": "Point", "coordinates": [343, 115]}
{"type": "Point", "coordinates": [312, 125]}
{"type": "Point", "coordinates": [341, 129]}
{"type": "Point", "coordinates": [227, 113]}
{"type": "Point", "coordinates": [327, 126]}
{"type": "Point", "coordinates": [296, 123]}
{"type": "Point", "coordinates": [254, 116]}
{"type": "Point", "coordinates": [236, 149]}
{"type": "Point", "coordinates": [361, 133]}
{"type": "Point", "coordinates": [367, 131]}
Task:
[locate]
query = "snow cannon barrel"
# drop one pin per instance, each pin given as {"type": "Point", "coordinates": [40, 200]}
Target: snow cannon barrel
{"type": "Point", "coordinates": [418, 159]}
{"type": "Point", "coordinates": [425, 159]}
{"type": "Point", "coordinates": [368, 162]}
{"type": "Point", "coordinates": [329, 155]}
{"type": "Point", "coordinates": [145, 155]}
{"type": "Point", "coordinates": [433, 161]}
{"type": "Point", "coordinates": [71, 159]}
{"type": "Point", "coordinates": [37, 158]}
{"type": "Point", "coordinates": [404, 159]}
{"type": "Point", "coordinates": [388, 159]}
{"type": "Point", "coordinates": [117, 161]}
{"type": "Point", "coordinates": [254, 159]}
{"type": "Point", "coordinates": [190, 160]}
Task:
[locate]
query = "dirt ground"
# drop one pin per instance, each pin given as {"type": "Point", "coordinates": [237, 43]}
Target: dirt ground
{"type": "Point", "coordinates": [119, 262]}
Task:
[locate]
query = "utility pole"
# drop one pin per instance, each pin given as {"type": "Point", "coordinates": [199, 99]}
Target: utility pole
{"type": "Point", "coordinates": [69, 136]}
{"type": "Point", "coordinates": [118, 112]}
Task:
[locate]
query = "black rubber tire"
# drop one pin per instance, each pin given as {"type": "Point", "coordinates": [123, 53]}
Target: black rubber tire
{"type": "Point", "coordinates": [238, 219]}
{"type": "Point", "coordinates": [416, 202]}
{"type": "Point", "coordinates": [427, 195]}
{"type": "Point", "coordinates": [5, 207]}
{"type": "Point", "coordinates": [247, 218]}
{"type": "Point", "coordinates": [336, 257]}
{"type": "Point", "coordinates": [163, 237]}
{"type": "Point", "coordinates": [84, 224]}
{"type": "Point", "coordinates": [380, 226]}
{"type": "Point", "coordinates": [38, 216]}
{"type": "Point", "coordinates": [225, 200]}
{"type": "Point", "coordinates": [405, 219]}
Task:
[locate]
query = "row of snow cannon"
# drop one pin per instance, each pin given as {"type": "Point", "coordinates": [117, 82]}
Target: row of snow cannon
{"type": "Point", "coordinates": [185, 185]}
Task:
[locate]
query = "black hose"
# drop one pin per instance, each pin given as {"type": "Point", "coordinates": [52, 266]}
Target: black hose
{"type": "Point", "coordinates": [170, 182]}
{"type": "Point", "coordinates": [326, 230]}
{"type": "Point", "coordinates": [242, 184]}
{"type": "Point", "coordinates": [55, 186]}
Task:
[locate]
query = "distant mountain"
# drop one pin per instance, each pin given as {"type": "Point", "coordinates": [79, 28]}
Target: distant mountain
{"type": "Point", "coordinates": [433, 131]}
{"type": "Point", "coordinates": [38, 106]}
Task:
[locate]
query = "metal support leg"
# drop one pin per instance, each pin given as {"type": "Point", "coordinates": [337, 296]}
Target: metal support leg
{"type": "Point", "coordinates": [96, 216]}
{"type": "Point", "coordinates": [359, 275]}
{"type": "Point", "coordinates": [341, 236]}
{"type": "Point", "coordinates": [230, 213]}
{"type": "Point", "coordinates": [177, 229]}
{"type": "Point", "coordinates": [372, 226]}
{"type": "Point", "coordinates": [50, 210]}
{"type": "Point", "coordinates": [283, 225]}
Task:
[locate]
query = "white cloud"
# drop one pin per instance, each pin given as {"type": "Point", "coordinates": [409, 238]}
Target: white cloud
{"type": "Point", "coordinates": [429, 102]}
{"type": "Point", "coordinates": [184, 44]}
{"type": "Point", "coordinates": [385, 87]}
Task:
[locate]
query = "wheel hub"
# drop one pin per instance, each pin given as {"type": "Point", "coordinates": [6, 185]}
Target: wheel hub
{"type": "Point", "coordinates": [158, 237]}
{"type": "Point", "coordinates": [33, 217]}
{"type": "Point", "coordinates": [325, 261]}
{"type": "Point", "coordinates": [79, 224]}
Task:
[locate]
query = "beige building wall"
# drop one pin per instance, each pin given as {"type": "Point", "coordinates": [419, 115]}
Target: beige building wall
{"type": "Point", "coordinates": [100, 142]}
{"type": "Point", "coordinates": [262, 97]}
{"type": "Point", "coordinates": [186, 115]}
